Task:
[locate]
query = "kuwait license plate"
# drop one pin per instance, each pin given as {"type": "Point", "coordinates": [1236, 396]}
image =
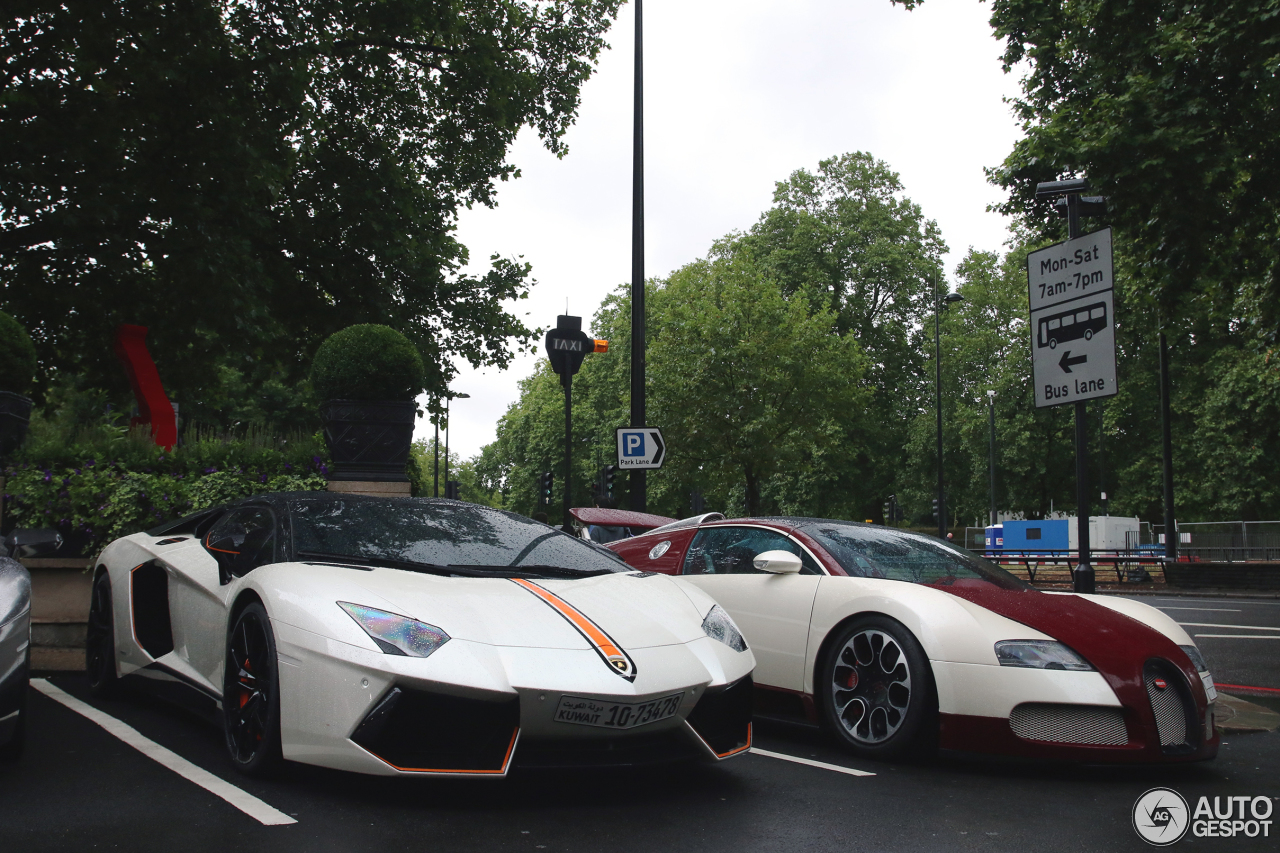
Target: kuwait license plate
{"type": "Point", "coordinates": [615, 715]}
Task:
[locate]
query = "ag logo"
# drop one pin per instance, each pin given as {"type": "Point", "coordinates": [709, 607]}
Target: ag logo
{"type": "Point", "coordinates": [1160, 817]}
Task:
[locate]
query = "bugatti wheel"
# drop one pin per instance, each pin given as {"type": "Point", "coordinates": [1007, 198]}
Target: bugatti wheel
{"type": "Point", "coordinates": [877, 690]}
{"type": "Point", "coordinates": [100, 640]}
{"type": "Point", "coordinates": [251, 694]}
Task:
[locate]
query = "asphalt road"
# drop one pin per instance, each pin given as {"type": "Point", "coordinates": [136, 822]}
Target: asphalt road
{"type": "Point", "coordinates": [1239, 638]}
{"type": "Point", "coordinates": [78, 787]}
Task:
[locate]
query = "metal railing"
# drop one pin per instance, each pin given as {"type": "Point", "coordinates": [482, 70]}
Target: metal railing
{"type": "Point", "coordinates": [1129, 566]}
{"type": "Point", "coordinates": [1214, 541]}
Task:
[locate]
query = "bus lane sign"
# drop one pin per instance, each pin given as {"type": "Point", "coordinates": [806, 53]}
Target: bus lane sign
{"type": "Point", "coordinates": [1073, 342]}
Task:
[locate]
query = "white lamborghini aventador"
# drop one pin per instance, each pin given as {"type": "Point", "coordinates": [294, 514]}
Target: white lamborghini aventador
{"type": "Point", "coordinates": [405, 636]}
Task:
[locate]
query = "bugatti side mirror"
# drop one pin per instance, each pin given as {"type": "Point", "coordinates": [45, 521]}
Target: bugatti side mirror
{"type": "Point", "coordinates": [32, 543]}
{"type": "Point", "coordinates": [777, 562]}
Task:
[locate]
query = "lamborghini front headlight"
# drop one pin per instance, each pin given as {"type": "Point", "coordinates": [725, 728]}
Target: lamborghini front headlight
{"type": "Point", "coordinates": [396, 635]}
{"type": "Point", "coordinates": [718, 626]}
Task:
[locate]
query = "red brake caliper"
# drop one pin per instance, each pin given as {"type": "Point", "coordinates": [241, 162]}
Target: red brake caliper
{"type": "Point", "coordinates": [244, 694]}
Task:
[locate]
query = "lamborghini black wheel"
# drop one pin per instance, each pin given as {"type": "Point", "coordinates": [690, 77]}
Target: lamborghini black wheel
{"type": "Point", "coordinates": [251, 694]}
{"type": "Point", "coordinates": [100, 640]}
{"type": "Point", "coordinates": [877, 690]}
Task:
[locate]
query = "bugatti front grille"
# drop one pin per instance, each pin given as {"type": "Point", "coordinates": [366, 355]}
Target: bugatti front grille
{"type": "Point", "coordinates": [434, 733]}
{"type": "Point", "coordinates": [1081, 724]}
{"type": "Point", "coordinates": [1170, 703]}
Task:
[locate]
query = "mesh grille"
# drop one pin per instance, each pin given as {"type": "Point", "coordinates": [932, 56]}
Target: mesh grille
{"type": "Point", "coordinates": [1167, 703]}
{"type": "Point", "coordinates": [1087, 724]}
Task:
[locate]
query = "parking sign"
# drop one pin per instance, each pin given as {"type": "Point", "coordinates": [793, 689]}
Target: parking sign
{"type": "Point", "coordinates": [640, 447]}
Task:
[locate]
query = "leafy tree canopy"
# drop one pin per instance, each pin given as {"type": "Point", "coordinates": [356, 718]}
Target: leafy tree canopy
{"type": "Point", "coordinates": [245, 177]}
{"type": "Point", "coordinates": [748, 382]}
{"type": "Point", "coordinates": [848, 238]}
{"type": "Point", "coordinates": [1169, 109]}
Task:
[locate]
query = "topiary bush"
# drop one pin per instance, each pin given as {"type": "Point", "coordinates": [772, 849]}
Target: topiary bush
{"type": "Point", "coordinates": [17, 357]}
{"type": "Point", "coordinates": [367, 362]}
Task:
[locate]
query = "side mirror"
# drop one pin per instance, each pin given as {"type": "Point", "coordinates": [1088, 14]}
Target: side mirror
{"type": "Point", "coordinates": [777, 562]}
{"type": "Point", "coordinates": [32, 543]}
{"type": "Point", "coordinates": [225, 551]}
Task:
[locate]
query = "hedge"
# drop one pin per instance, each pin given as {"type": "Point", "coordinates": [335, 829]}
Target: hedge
{"type": "Point", "coordinates": [94, 500]}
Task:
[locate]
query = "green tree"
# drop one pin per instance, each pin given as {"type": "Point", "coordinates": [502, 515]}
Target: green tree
{"type": "Point", "coordinates": [1169, 109]}
{"type": "Point", "coordinates": [760, 400]}
{"type": "Point", "coordinates": [244, 178]}
{"type": "Point", "coordinates": [848, 238]}
{"type": "Point", "coordinates": [986, 346]}
{"type": "Point", "coordinates": [748, 382]}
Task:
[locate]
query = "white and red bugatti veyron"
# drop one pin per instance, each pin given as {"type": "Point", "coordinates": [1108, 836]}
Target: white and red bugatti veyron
{"type": "Point", "coordinates": [897, 641]}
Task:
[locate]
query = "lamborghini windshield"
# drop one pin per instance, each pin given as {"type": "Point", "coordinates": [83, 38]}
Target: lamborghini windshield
{"type": "Point", "coordinates": [876, 552]}
{"type": "Point", "coordinates": [417, 533]}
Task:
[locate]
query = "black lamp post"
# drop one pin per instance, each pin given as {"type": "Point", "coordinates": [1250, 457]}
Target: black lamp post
{"type": "Point", "coordinates": [937, 365]}
{"type": "Point", "coordinates": [991, 412]}
{"type": "Point", "coordinates": [448, 398]}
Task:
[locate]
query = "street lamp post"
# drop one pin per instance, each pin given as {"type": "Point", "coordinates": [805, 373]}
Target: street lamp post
{"type": "Point", "coordinates": [447, 400]}
{"type": "Point", "coordinates": [991, 413]}
{"type": "Point", "coordinates": [937, 365]}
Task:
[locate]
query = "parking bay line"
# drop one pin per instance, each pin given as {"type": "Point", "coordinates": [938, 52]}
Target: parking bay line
{"type": "Point", "coordinates": [1211, 609]}
{"type": "Point", "coordinates": [755, 750]}
{"type": "Point", "coordinates": [1240, 636]}
{"type": "Point", "coordinates": [244, 801]}
{"type": "Point", "coordinates": [1237, 627]}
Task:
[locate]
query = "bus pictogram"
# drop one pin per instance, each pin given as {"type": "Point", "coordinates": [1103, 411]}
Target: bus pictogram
{"type": "Point", "coordinates": [1072, 325]}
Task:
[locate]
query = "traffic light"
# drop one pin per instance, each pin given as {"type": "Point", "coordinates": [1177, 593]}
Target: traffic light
{"type": "Point", "coordinates": [606, 478]}
{"type": "Point", "coordinates": [451, 490]}
{"type": "Point", "coordinates": [888, 513]}
{"type": "Point", "coordinates": [935, 509]}
{"type": "Point", "coordinates": [546, 484]}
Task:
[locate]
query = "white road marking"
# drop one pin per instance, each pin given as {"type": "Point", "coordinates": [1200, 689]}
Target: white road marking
{"type": "Point", "coordinates": [810, 762]}
{"type": "Point", "coordinates": [1240, 627]}
{"type": "Point", "coordinates": [1213, 609]}
{"type": "Point", "coordinates": [1249, 603]}
{"type": "Point", "coordinates": [245, 802]}
{"type": "Point", "coordinates": [1242, 636]}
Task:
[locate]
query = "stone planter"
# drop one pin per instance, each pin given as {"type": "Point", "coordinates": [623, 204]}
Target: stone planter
{"type": "Point", "coordinates": [15, 414]}
{"type": "Point", "coordinates": [369, 440]}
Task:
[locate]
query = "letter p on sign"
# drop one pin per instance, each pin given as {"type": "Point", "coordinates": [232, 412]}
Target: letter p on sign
{"type": "Point", "coordinates": [633, 444]}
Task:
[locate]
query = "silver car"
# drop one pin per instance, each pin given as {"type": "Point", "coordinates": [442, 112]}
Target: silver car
{"type": "Point", "coordinates": [15, 634]}
{"type": "Point", "coordinates": [15, 655]}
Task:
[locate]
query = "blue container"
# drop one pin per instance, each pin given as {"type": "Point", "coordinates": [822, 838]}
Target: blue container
{"type": "Point", "coordinates": [995, 537]}
{"type": "Point", "coordinates": [1037, 536]}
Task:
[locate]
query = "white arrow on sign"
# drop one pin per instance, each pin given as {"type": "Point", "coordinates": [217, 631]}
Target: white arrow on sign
{"type": "Point", "coordinates": [640, 447]}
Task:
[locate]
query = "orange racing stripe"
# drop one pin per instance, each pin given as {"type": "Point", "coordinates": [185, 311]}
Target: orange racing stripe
{"type": "Point", "coordinates": [618, 660]}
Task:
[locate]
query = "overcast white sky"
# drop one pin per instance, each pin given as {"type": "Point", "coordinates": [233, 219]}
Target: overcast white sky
{"type": "Point", "coordinates": [739, 94]}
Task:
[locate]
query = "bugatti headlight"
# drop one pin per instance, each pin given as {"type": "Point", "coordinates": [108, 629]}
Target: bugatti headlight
{"type": "Point", "coordinates": [718, 626]}
{"type": "Point", "coordinates": [1040, 654]}
{"type": "Point", "coordinates": [1197, 660]}
{"type": "Point", "coordinates": [396, 635]}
